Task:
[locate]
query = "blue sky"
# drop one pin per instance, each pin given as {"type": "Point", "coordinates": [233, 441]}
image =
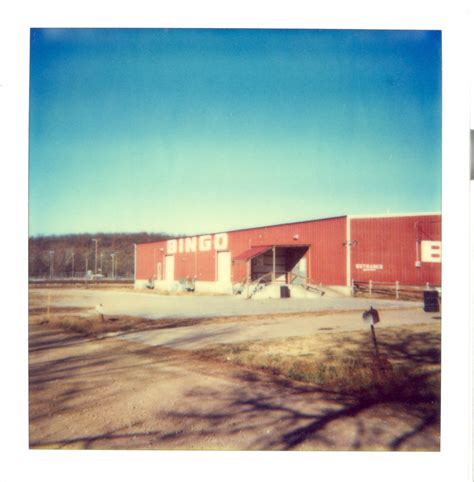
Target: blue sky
{"type": "Point", "coordinates": [188, 131]}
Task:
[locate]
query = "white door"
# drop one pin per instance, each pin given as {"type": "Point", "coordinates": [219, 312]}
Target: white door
{"type": "Point", "coordinates": [223, 266]}
{"type": "Point", "coordinates": [169, 267]}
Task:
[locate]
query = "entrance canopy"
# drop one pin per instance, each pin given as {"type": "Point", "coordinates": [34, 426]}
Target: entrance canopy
{"type": "Point", "coordinates": [284, 263]}
{"type": "Point", "coordinates": [252, 252]}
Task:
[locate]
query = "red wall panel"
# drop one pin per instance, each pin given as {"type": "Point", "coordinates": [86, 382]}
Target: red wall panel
{"type": "Point", "coordinates": [147, 257]}
{"type": "Point", "coordinates": [326, 254]}
{"type": "Point", "coordinates": [389, 242]}
{"type": "Point", "coordinates": [386, 249]}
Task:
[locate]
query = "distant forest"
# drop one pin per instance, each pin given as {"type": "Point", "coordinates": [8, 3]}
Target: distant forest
{"type": "Point", "coordinates": [72, 255]}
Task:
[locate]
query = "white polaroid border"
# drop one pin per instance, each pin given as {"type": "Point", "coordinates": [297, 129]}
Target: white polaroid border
{"type": "Point", "coordinates": [453, 462]}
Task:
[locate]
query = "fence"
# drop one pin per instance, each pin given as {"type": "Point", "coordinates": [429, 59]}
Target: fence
{"type": "Point", "coordinates": [389, 290]}
{"type": "Point", "coordinates": [76, 275]}
{"type": "Point", "coordinates": [79, 277]}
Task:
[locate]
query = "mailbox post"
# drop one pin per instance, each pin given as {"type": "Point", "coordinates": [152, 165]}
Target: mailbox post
{"type": "Point", "coordinates": [372, 317]}
{"type": "Point", "coordinates": [381, 367]}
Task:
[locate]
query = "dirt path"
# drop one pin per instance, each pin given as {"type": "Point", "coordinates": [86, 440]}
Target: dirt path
{"type": "Point", "coordinates": [87, 393]}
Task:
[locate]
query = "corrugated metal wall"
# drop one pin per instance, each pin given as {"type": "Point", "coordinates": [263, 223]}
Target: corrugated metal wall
{"type": "Point", "coordinates": [386, 249]}
{"type": "Point", "coordinates": [326, 255]}
{"type": "Point", "coordinates": [147, 257]}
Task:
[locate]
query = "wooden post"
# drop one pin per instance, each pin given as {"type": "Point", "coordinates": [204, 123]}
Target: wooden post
{"type": "Point", "coordinates": [370, 287]}
{"type": "Point", "coordinates": [49, 304]}
{"type": "Point", "coordinates": [308, 267]}
{"type": "Point", "coordinates": [397, 288]}
{"type": "Point", "coordinates": [374, 340]}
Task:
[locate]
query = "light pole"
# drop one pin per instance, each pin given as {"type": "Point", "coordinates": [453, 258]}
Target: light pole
{"type": "Point", "coordinates": [95, 263]}
{"type": "Point", "coordinates": [113, 265]}
{"type": "Point", "coordinates": [51, 264]}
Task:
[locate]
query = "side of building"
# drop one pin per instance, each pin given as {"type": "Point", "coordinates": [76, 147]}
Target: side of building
{"type": "Point", "coordinates": [331, 252]}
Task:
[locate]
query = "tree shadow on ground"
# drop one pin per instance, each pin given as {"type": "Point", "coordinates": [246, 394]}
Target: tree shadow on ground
{"type": "Point", "coordinates": [66, 379]}
{"type": "Point", "coordinates": [397, 410]}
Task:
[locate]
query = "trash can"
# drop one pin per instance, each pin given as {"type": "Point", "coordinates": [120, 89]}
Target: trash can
{"type": "Point", "coordinates": [431, 301]}
{"type": "Point", "coordinates": [284, 292]}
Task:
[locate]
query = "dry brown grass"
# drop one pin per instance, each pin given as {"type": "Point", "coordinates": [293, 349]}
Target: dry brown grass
{"type": "Point", "coordinates": [408, 366]}
{"type": "Point", "coordinates": [89, 323]}
{"type": "Point", "coordinates": [409, 360]}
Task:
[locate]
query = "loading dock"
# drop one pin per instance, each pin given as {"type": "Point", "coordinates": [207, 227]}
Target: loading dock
{"type": "Point", "coordinates": [284, 264]}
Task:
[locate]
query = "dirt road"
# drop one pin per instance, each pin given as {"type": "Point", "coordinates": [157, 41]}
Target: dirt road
{"type": "Point", "coordinates": [198, 336]}
{"type": "Point", "coordinates": [109, 393]}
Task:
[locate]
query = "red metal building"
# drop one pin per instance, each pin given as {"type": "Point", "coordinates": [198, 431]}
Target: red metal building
{"type": "Point", "coordinates": [333, 252]}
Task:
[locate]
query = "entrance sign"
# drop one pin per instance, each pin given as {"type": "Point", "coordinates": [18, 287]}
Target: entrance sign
{"type": "Point", "coordinates": [369, 267]}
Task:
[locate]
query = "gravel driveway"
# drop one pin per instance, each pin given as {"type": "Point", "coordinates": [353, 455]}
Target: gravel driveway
{"type": "Point", "coordinates": [156, 306]}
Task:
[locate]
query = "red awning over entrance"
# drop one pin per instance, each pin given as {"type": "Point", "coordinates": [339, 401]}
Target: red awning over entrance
{"type": "Point", "coordinates": [252, 252]}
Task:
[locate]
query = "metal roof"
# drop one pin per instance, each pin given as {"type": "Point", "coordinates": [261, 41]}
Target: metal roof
{"type": "Point", "coordinates": [252, 252]}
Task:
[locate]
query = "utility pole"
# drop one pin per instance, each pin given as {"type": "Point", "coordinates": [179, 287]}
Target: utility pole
{"type": "Point", "coordinates": [87, 264]}
{"type": "Point", "coordinates": [113, 265]}
{"type": "Point", "coordinates": [51, 264]}
{"type": "Point", "coordinates": [95, 264]}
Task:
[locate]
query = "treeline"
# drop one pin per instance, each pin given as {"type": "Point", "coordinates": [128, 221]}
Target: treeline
{"type": "Point", "coordinates": [72, 255]}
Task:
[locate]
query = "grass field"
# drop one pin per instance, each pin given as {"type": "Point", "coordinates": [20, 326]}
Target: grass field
{"type": "Point", "coordinates": [406, 369]}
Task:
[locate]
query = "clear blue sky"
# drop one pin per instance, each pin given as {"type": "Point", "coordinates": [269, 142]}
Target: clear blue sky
{"type": "Point", "coordinates": [204, 130]}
